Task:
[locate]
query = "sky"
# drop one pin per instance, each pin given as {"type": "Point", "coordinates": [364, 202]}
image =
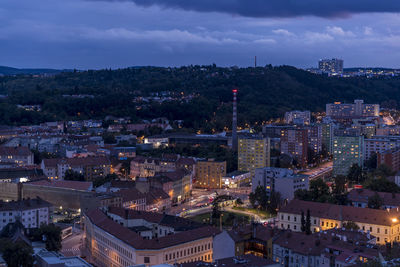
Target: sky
{"type": "Point", "coordinates": [94, 34]}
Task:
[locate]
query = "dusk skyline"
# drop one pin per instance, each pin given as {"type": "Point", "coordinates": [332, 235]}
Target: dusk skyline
{"type": "Point", "coordinates": [116, 34]}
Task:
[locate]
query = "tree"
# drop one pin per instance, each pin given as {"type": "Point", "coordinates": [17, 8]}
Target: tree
{"type": "Point", "coordinates": [308, 223]}
{"type": "Point", "coordinates": [340, 184]}
{"type": "Point", "coordinates": [350, 225]}
{"type": "Point", "coordinates": [259, 198]}
{"type": "Point", "coordinates": [239, 201]}
{"type": "Point", "coordinates": [382, 185]}
{"type": "Point", "coordinates": [303, 222]}
{"type": "Point", "coordinates": [375, 202]}
{"type": "Point", "coordinates": [274, 202]}
{"type": "Point", "coordinates": [73, 176]}
{"type": "Point", "coordinates": [18, 254]}
{"type": "Point", "coordinates": [319, 190]}
{"type": "Point", "coordinates": [372, 161]}
{"type": "Point", "coordinates": [52, 236]}
{"type": "Point", "coordinates": [355, 174]}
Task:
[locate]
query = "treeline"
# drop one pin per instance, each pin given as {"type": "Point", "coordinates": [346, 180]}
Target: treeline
{"type": "Point", "coordinates": [264, 93]}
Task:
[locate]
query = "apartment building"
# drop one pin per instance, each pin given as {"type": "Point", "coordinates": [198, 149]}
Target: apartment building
{"type": "Point", "coordinates": [390, 158]}
{"type": "Point", "coordinates": [383, 224]}
{"type": "Point", "coordinates": [298, 117]}
{"type": "Point", "coordinates": [380, 144]}
{"type": "Point", "coordinates": [32, 213]}
{"type": "Point", "coordinates": [294, 142]}
{"type": "Point", "coordinates": [338, 110]}
{"type": "Point", "coordinates": [90, 167]}
{"type": "Point", "coordinates": [21, 156]}
{"type": "Point", "coordinates": [209, 173]}
{"type": "Point", "coordinates": [348, 149]}
{"type": "Point", "coordinates": [253, 153]}
{"type": "Point", "coordinates": [120, 238]}
{"type": "Point", "coordinates": [284, 181]}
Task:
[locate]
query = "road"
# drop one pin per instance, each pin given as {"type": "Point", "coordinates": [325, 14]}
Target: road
{"type": "Point", "coordinates": [323, 170]}
{"type": "Point", "coordinates": [203, 197]}
{"type": "Point", "coordinates": [71, 246]}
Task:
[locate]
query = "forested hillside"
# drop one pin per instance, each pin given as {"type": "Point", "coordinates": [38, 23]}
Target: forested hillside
{"type": "Point", "coordinates": [199, 95]}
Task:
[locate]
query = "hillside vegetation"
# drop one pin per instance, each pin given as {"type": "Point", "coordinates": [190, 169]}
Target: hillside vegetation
{"type": "Point", "coordinates": [200, 95]}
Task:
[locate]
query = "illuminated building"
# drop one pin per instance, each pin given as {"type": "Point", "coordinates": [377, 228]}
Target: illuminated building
{"type": "Point", "coordinates": [209, 173]}
{"type": "Point", "coordinates": [253, 153]}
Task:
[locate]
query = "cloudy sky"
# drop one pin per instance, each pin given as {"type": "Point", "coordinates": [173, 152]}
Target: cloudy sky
{"type": "Point", "coordinates": [110, 34]}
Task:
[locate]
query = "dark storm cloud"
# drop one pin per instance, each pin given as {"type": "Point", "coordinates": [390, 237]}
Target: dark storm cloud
{"type": "Point", "coordinates": [280, 8]}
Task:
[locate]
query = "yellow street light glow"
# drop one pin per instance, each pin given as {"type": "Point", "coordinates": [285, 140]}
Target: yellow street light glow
{"type": "Point", "coordinates": [394, 220]}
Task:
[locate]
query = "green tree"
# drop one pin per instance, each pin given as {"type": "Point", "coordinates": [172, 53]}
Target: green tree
{"type": "Point", "coordinates": [259, 198]}
{"type": "Point", "coordinates": [355, 174]}
{"type": "Point", "coordinates": [308, 223]}
{"type": "Point", "coordinates": [350, 225]}
{"type": "Point", "coordinates": [18, 254]}
{"type": "Point", "coordinates": [319, 190]}
{"type": "Point", "coordinates": [340, 184]}
{"type": "Point", "coordinates": [274, 202]}
{"type": "Point", "coordinates": [381, 185]}
{"type": "Point", "coordinates": [52, 236]}
{"type": "Point", "coordinates": [371, 163]}
{"type": "Point", "coordinates": [375, 201]}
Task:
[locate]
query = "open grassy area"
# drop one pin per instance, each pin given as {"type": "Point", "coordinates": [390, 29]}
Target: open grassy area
{"type": "Point", "coordinates": [261, 213]}
{"type": "Point", "coordinates": [228, 219]}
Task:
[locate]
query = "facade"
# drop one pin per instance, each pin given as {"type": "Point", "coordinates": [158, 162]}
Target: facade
{"type": "Point", "coordinates": [284, 181]}
{"type": "Point", "coordinates": [384, 225]}
{"type": "Point", "coordinates": [380, 144]}
{"type": "Point", "coordinates": [254, 239]}
{"type": "Point", "coordinates": [332, 66]}
{"type": "Point", "coordinates": [347, 150]}
{"type": "Point", "coordinates": [90, 167]}
{"type": "Point", "coordinates": [294, 142]}
{"type": "Point", "coordinates": [253, 153]}
{"type": "Point", "coordinates": [298, 117]}
{"type": "Point", "coordinates": [177, 184]}
{"type": "Point", "coordinates": [121, 238]}
{"type": "Point", "coordinates": [209, 173]}
{"type": "Point", "coordinates": [340, 110]}
{"type": "Point", "coordinates": [148, 167]}
{"type": "Point", "coordinates": [314, 137]}
{"type": "Point", "coordinates": [32, 213]}
{"type": "Point", "coordinates": [327, 136]}
{"type": "Point", "coordinates": [390, 158]}
{"type": "Point", "coordinates": [21, 156]}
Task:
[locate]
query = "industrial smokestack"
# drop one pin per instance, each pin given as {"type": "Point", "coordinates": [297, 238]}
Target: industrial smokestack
{"type": "Point", "coordinates": [234, 121]}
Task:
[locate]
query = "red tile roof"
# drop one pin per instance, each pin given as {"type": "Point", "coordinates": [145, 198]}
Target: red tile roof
{"type": "Point", "coordinates": [15, 151]}
{"type": "Point", "coordinates": [88, 161]}
{"type": "Point", "coordinates": [76, 185]}
{"type": "Point", "coordinates": [343, 213]}
{"type": "Point", "coordinates": [133, 239]}
{"type": "Point", "coordinates": [362, 195]}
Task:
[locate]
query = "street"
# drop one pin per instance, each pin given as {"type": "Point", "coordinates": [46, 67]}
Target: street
{"type": "Point", "coordinates": [71, 246]}
{"type": "Point", "coordinates": [202, 198]}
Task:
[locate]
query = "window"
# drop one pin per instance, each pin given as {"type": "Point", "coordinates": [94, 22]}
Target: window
{"type": "Point", "coordinates": [315, 221]}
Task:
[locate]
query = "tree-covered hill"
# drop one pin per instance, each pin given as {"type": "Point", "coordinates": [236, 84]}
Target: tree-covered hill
{"type": "Point", "coordinates": [199, 95]}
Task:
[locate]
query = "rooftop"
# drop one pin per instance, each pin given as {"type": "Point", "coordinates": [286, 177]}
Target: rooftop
{"type": "Point", "coordinates": [133, 239]}
{"type": "Point", "coordinates": [343, 213]}
{"type": "Point", "coordinates": [75, 185]}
